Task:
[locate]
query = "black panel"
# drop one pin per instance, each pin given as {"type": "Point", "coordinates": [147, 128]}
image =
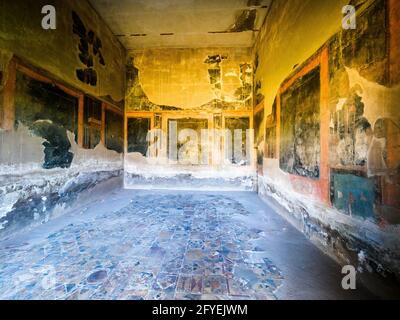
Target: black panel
{"type": "Point", "coordinates": [49, 113]}
{"type": "Point", "coordinates": [137, 134]}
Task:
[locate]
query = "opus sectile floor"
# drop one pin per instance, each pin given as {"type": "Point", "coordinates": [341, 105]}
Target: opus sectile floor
{"type": "Point", "coordinates": [162, 246]}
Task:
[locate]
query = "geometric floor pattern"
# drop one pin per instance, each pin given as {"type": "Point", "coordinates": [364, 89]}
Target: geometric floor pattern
{"type": "Point", "coordinates": [184, 246]}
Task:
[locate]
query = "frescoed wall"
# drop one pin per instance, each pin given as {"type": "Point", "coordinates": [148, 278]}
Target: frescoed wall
{"type": "Point", "coordinates": [207, 95]}
{"type": "Point", "coordinates": [61, 109]}
{"type": "Point", "coordinates": [364, 118]}
{"type": "Point", "coordinates": [331, 153]}
{"type": "Point", "coordinates": [299, 145]}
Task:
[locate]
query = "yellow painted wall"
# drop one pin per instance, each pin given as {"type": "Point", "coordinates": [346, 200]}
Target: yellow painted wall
{"type": "Point", "coordinates": [293, 31]}
{"type": "Point", "coordinates": [56, 51]}
{"type": "Point", "coordinates": [179, 77]}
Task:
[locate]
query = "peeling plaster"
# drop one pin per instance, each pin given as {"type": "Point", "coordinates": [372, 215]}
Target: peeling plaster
{"type": "Point", "coordinates": [245, 21]}
{"type": "Point", "coordinates": [21, 34]}
{"type": "Point", "coordinates": [362, 225]}
{"type": "Point", "coordinates": [380, 101]}
{"type": "Point", "coordinates": [20, 151]}
{"type": "Point", "coordinates": [329, 227]}
{"type": "Point", "coordinates": [150, 173]}
{"type": "Point", "coordinates": [181, 78]}
{"type": "Point", "coordinates": [29, 193]}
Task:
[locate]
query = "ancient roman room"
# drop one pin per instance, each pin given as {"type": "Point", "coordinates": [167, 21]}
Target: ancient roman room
{"type": "Point", "coordinates": [199, 150]}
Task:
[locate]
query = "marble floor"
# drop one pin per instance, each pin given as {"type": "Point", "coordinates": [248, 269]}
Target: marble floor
{"type": "Point", "coordinates": [168, 245]}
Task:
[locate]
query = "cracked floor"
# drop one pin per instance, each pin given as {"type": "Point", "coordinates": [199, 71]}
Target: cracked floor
{"type": "Point", "coordinates": [168, 245]}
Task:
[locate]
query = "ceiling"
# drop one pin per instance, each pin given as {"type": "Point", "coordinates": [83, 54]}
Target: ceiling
{"type": "Point", "coordinates": [183, 23]}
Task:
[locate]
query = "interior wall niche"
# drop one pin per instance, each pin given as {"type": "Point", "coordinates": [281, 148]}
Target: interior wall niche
{"type": "Point", "coordinates": [48, 112]}
{"type": "Point", "coordinates": [137, 135]}
{"type": "Point", "coordinates": [114, 134]}
{"type": "Point", "coordinates": [91, 123]}
{"type": "Point", "coordinates": [270, 134]}
{"type": "Point", "coordinates": [237, 125]}
{"type": "Point", "coordinates": [189, 141]}
{"type": "Point", "coordinates": [300, 127]}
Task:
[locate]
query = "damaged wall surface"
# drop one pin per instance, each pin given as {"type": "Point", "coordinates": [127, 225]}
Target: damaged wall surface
{"type": "Point", "coordinates": [197, 79]}
{"type": "Point", "coordinates": [61, 113]}
{"type": "Point", "coordinates": [195, 91]}
{"type": "Point", "coordinates": [299, 147]}
{"type": "Point", "coordinates": [331, 144]}
{"type": "Point", "coordinates": [49, 113]}
{"type": "Point", "coordinates": [184, 23]}
{"type": "Point", "coordinates": [65, 50]}
{"type": "Point", "coordinates": [77, 109]}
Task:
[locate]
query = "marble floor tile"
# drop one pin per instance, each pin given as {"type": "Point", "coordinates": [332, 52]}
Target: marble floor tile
{"type": "Point", "coordinates": [159, 246]}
